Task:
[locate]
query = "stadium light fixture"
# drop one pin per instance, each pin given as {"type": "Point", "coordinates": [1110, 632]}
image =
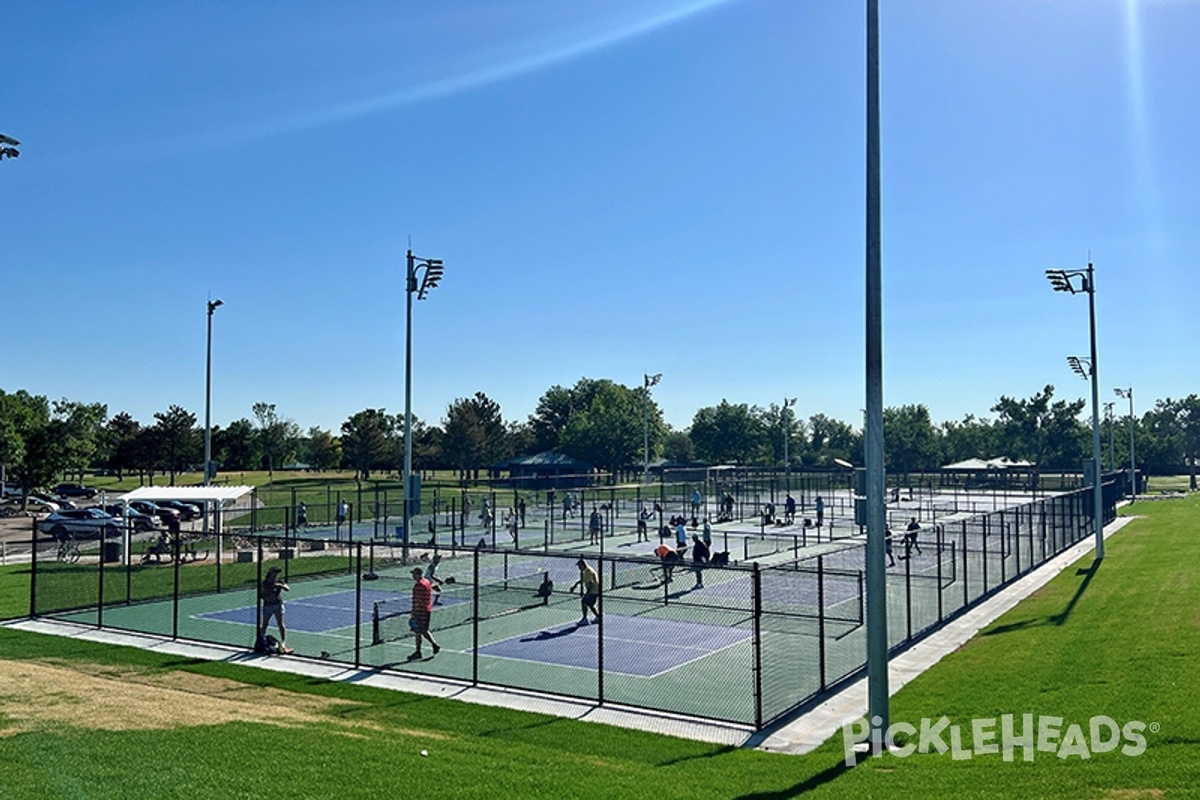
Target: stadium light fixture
{"type": "Point", "coordinates": [648, 380]}
{"type": "Point", "coordinates": [8, 147]}
{"type": "Point", "coordinates": [1064, 280]}
{"type": "Point", "coordinates": [422, 275]}
{"type": "Point", "coordinates": [1128, 393]}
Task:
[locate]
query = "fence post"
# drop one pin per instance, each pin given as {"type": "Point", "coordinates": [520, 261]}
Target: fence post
{"type": "Point", "coordinates": [33, 568]}
{"type": "Point", "coordinates": [966, 589]}
{"type": "Point", "coordinates": [821, 618]}
{"type": "Point", "coordinates": [100, 580]}
{"type": "Point", "coordinates": [175, 604]}
{"type": "Point", "coordinates": [358, 606]}
{"type": "Point", "coordinates": [908, 592]}
{"type": "Point", "coordinates": [756, 667]}
{"type": "Point", "coordinates": [600, 635]}
{"type": "Point", "coordinates": [475, 618]}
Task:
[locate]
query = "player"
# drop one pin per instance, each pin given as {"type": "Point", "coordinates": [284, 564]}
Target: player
{"type": "Point", "coordinates": [589, 588]}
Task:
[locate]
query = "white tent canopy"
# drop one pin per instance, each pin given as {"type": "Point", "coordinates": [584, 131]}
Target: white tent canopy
{"type": "Point", "coordinates": [224, 495]}
{"type": "Point", "coordinates": [989, 463]}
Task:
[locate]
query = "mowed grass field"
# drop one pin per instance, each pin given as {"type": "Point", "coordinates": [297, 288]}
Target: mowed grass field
{"type": "Point", "coordinates": [1122, 641]}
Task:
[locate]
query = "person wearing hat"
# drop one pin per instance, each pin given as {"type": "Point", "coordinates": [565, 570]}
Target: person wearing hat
{"type": "Point", "coordinates": [272, 606]}
{"type": "Point", "coordinates": [589, 586]}
{"type": "Point", "coordinates": [422, 611]}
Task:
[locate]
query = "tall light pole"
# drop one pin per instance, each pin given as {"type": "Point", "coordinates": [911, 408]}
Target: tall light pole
{"type": "Point", "coordinates": [1132, 421]}
{"type": "Point", "coordinates": [788, 402]}
{"type": "Point", "coordinates": [1063, 280]}
{"type": "Point", "coordinates": [877, 644]}
{"type": "Point", "coordinates": [431, 270]}
{"type": "Point", "coordinates": [647, 381]}
{"type": "Point", "coordinates": [1108, 416]}
{"type": "Point", "coordinates": [213, 305]}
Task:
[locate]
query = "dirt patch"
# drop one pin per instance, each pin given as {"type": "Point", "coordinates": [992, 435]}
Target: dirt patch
{"type": "Point", "coordinates": [39, 696]}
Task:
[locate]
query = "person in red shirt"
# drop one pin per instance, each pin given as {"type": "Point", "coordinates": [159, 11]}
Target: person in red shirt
{"type": "Point", "coordinates": [422, 609]}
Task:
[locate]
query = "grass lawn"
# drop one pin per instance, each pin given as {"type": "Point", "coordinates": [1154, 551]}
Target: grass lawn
{"type": "Point", "coordinates": [78, 719]}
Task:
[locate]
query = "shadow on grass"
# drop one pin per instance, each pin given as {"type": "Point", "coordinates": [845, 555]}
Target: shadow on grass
{"type": "Point", "coordinates": [830, 773]}
{"type": "Point", "coordinates": [1053, 619]}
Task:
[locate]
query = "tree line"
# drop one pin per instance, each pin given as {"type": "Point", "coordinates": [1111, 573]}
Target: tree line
{"type": "Point", "coordinates": [597, 420]}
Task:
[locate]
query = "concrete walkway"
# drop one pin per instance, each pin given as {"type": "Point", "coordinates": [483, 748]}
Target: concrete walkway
{"type": "Point", "coordinates": [800, 734]}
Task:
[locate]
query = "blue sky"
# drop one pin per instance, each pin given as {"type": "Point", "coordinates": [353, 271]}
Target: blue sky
{"type": "Point", "coordinates": [615, 186]}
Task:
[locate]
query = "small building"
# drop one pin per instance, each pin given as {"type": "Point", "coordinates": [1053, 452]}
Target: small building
{"type": "Point", "coordinates": [547, 470]}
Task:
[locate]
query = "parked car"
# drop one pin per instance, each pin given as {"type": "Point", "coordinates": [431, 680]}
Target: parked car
{"type": "Point", "coordinates": [75, 490]}
{"type": "Point", "coordinates": [53, 502]}
{"type": "Point", "coordinates": [82, 523]}
{"type": "Point", "coordinates": [187, 511]}
{"type": "Point", "coordinates": [11, 507]}
{"type": "Point", "coordinates": [139, 521]}
{"type": "Point", "coordinates": [161, 513]}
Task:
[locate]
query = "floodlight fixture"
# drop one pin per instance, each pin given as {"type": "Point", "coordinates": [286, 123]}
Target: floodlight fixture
{"type": "Point", "coordinates": [652, 380]}
{"type": "Point", "coordinates": [8, 147]}
{"type": "Point", "coordinates": [1081, 366]}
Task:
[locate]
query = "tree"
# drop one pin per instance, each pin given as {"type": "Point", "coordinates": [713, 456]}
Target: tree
{"type": "Point", "coordinates": [728, 433]}
{"type": "Point", "coordinates": [237, 447]}
{"type": "Point", "coordinates": [178, 439]}
{"type": "Point", "coordinates": [118, 443]}
{"type": "Point", "coordinates": [970, 438]}
{"type": "Point", "coordinates": [24, 444]}
{"type": "Point", "coordinates": [1047, 433]}
{"type": "Point", "coordinates": [910, 442]}
{"type": "Point", "coordinates": [276, 434]}
{"type": "Point", "coordinates": [678, 447]}
{"type": "Point", "coordinates": [473, 433]}
{"type": "Point", "coordinates": [1178, 422]}
{"type": "Point", "coordinates": [323, 451]}
{"type": "Point", "coordinates": [41, 441]}
{"type": "Point", "coordinates": [830, 438]}
{"type": "Point", "coordinates": [608, 431]}
{"type": "Point", "coordinates": [365, 440]}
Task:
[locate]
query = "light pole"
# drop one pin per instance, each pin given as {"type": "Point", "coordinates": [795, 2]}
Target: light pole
{"type": "Point", "coordinates": [431, 270]}
{"type": "Point", "coordinates": [877, 634]}
{"type": "Point", "coordinates": [213, 305]}
{"type": "Point", "coordinates": [647, 381]}
{"type": "Point", "coordinates": [1063, 280]}
{"type": "Point", "coordinates": [1108, 416]}
{"type": "Point", "coordinates": [788, 402]}
{"type": "Point", "coordinates": [1123, 393]}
